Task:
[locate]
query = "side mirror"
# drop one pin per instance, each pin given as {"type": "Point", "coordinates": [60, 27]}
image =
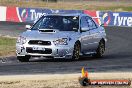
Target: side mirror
{"type": "Point", "coordinates": [102, 22]}
{"type": "Point", "coordinates": [27, 26]}
{"type": "Point", "coordinates": [102, 25]}
{"type": "Point", "coordinates": [84, 29]}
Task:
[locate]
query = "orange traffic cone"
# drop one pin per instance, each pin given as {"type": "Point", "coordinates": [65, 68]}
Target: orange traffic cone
{"type": "Point", "coordinates": [86, 74]}
{"type": "Point", "coordinates": [84, 80]}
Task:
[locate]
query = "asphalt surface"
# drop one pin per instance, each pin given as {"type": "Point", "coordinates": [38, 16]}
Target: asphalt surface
{"type": "Point", "coordinates": [117, 58]}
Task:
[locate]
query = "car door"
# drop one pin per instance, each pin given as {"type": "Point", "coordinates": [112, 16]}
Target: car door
{"type": "Point", "coordinates": [85, 36]}
{"type": "Point", "coordinates": [94, 34]}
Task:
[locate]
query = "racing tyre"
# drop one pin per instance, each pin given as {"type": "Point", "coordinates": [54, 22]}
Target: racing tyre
{"type": "Point", "coordinates": [100, 50]}
{"type": "Point", "coordinates": [76, 51]}
{"type": "Point", "coordinates": [23, 58]}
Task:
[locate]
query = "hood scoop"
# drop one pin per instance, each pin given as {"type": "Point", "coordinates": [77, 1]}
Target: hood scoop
{"type": "Point", "coordinates": [47, 31]}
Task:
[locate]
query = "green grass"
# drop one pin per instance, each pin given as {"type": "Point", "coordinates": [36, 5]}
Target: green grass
{"type": "Point", "coordinates": [122, 5]}
{"type": "Point", "coordinates": [7, 46]}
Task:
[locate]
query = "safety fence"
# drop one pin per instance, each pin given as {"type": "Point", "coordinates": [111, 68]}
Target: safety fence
{"type": "Point", "coordinates": [17, 14]}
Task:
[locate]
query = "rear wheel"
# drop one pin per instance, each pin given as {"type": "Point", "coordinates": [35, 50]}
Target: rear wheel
{"type": "Point", "coordinates": [23, 58]}
{"type": "Point", "coordinates": [100, 50]}
{"type": "Point", "coordinates": [76, 51]}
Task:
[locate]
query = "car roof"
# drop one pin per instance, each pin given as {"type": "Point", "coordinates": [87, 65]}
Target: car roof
{"type": "Point", "coordinates": [73, 14]}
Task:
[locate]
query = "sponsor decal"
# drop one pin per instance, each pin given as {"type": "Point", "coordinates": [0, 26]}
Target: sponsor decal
{"type": "Point", "coordinates": [122, 19]}
{"type": "Point", "coordinates": [24, 15]}
{"type": "Point", "coordinates": [106, 17]}
{"type": "Point", "coordinates": [84, 80]}
{"type": "Point", "coordinates": [116, 19]}
{"type": "Point", "coordinates": [54, 11]}
{"type": "Point", "coordinates": [35, 15]}
{"type": "Point", "coordinates": [30, 14]}
{"type": "Point", "coordinates": [93, 14]}
{"type": "Point", "coordinates": [11, 14]}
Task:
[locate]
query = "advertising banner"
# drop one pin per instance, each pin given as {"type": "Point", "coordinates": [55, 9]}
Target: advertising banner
{"type": "Point", "coordinates": [11, 14]}
{"type": "Point", "coordinates": [117, 18]}
{"type": "Point", "coordinates": [32, 14]}
{"type": "Point", "coordinates": [2, 13]}
{"type": "Point", "coordinates": [17, 14]}
{"type": "Point", "coordinates": [94, 15]}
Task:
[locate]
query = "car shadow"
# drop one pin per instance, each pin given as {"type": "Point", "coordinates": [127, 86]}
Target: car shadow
{"type": "Point", "coordinates": [83, 58]}
{"type": "Point", "coordinates": [87, 58]}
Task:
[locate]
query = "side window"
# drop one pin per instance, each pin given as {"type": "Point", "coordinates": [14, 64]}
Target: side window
{"type": "Point", "coordinates": [91, 23]}
{"type": "Point", "coordinates": [84, 23]}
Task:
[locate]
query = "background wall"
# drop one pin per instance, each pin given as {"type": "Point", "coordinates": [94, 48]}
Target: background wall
{"type": "Point", "coordinates": [18, 14]}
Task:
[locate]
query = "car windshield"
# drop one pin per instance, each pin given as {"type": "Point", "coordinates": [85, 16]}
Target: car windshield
{"type": "Point", "coordinates": [61, 23]}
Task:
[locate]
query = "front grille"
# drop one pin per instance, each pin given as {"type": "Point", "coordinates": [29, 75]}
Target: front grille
{"type": "Point", "coordinates": [39, 42]}
{"type": "Point", "coordinates": [46, 51]}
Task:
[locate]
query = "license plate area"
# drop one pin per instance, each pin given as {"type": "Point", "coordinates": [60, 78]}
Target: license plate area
{"type": "Point", "coordinates": [38, 48]}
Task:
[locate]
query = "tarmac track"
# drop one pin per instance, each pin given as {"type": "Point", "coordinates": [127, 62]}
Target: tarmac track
{"type": "Point", "coordinates": [118, 56]}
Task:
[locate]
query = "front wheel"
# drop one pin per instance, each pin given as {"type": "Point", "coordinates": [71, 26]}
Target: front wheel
{"type": "Point", "coordinates": [100, 50]}
{"type": "Point", "coordinates": [23, 58]}
{"type": "Point", "coordinates": [76, 51]}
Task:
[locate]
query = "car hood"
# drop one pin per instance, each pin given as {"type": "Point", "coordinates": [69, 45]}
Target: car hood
{"type": "Point", "coordinates": [34, 34]}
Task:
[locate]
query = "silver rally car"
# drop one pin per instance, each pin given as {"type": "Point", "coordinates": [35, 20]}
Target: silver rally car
{"type": "Point", "coordinates": [62, 36]}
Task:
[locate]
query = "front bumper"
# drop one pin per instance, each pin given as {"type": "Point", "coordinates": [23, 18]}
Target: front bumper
{"type": "Point", "coordinates": [61, 51]}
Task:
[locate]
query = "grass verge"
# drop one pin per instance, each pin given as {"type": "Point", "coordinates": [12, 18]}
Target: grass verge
{"type": "Point", "coordinates": [7, 46]}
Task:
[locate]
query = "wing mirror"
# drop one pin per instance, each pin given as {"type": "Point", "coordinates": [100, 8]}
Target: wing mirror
{"type": "Point", "coordinates": [102, 22]}
{"type": "Point", "coordinates": [28, 26]}
{"type": "Point", "coordinates": [83, 29]}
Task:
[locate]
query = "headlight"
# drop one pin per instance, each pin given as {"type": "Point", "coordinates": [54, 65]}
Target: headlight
{"type": "Point", "coordinates": [62, 41]}
{"type": "Point", "coordinates": [21, 40]}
